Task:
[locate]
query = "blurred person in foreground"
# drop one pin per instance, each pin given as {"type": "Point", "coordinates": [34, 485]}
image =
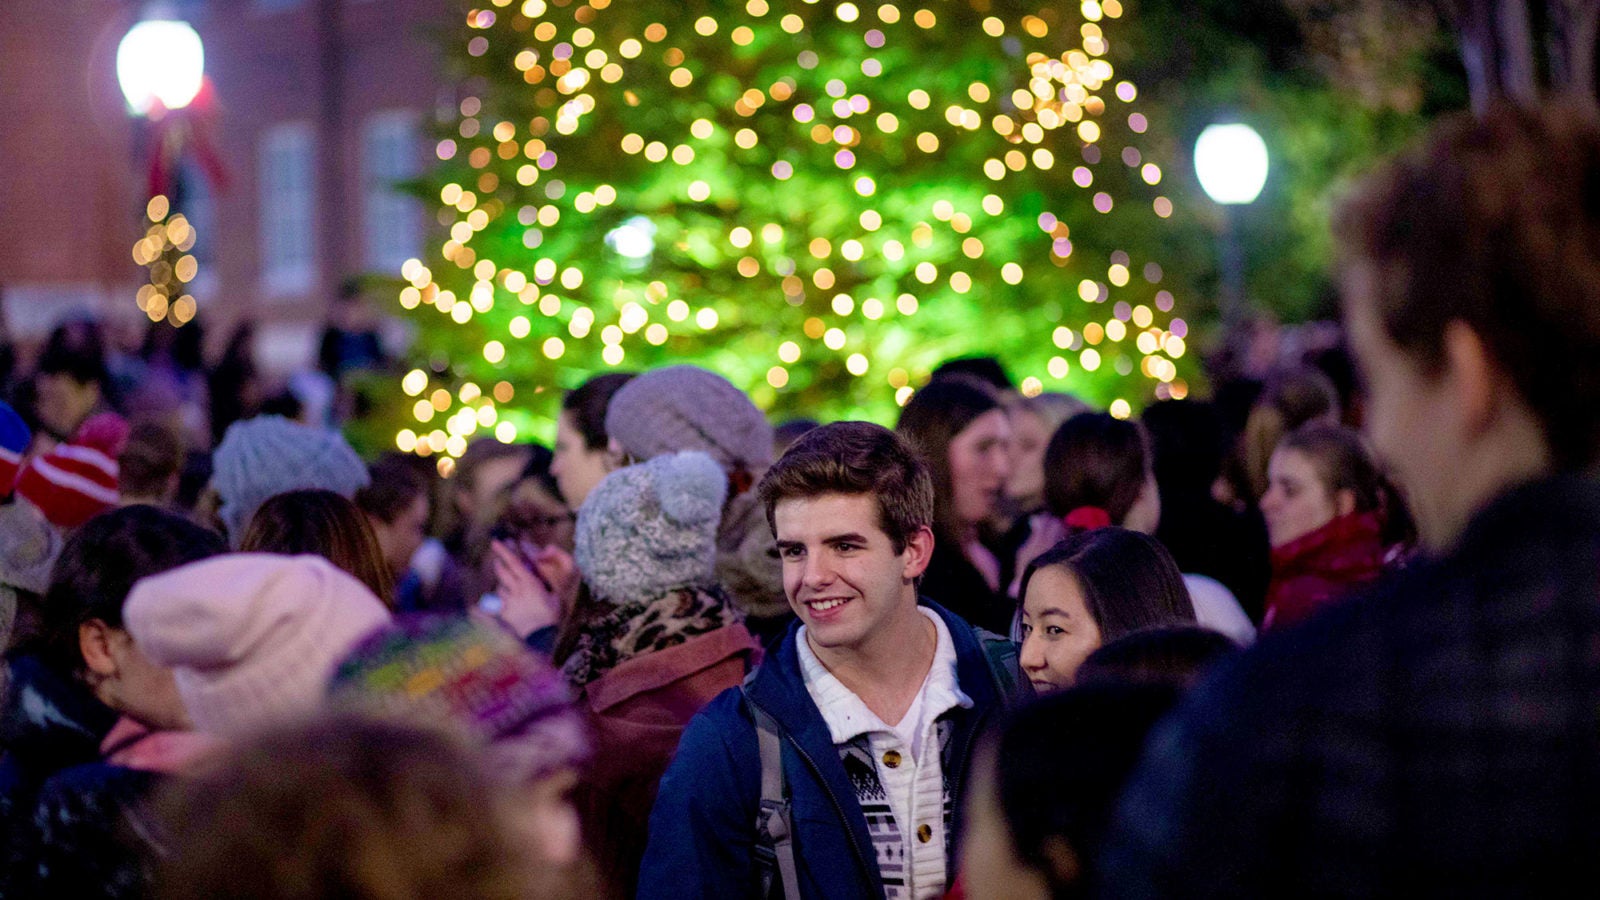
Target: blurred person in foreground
{"type": "Point", "coordinates": [1438, 736]}
{"type": "Point", "coordinates": [94, 716]}
{"type": "Point", "coordinates": [367, 809]}
{"type": "Point", "coordinates": [475, 679]}
{"type": "Point", "coordinates": [1045, 785]}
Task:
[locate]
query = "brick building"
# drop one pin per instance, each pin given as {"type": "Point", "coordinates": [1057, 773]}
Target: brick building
{"type": "Point", "coordinates": [320, 105]}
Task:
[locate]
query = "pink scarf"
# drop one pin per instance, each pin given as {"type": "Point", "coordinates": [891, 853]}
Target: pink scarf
{"type": "Point", "coordinates": [131, 745]}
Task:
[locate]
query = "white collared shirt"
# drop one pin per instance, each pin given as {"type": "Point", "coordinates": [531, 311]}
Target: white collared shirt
{"type": "Point", "coordinates": [905, 756]}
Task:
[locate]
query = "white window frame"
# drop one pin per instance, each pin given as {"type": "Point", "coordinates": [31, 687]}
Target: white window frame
{"type": "Point", "coordinates": [287, 222]}
{"type": "Point", "coordinates": [391, 229]}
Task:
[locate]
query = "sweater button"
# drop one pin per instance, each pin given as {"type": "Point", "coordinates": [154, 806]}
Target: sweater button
{"type": "Point", "coordinates": [924, 833]}
{"type": "Point", "coordinates": [891, 758]}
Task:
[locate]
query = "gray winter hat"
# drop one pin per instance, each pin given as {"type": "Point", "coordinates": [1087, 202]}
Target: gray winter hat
{"type": "Point", "coordinates": [689, 408]}
{"type": "Point", "coordinates": [650, 528]}
{"type": "Point", "coordinates": [263, 457]}
{"type": "Point", "coordinates": [29, 546]}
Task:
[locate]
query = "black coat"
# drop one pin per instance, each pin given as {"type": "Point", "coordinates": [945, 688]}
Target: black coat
{"type": "Point", "coordinates": [47, 724]}
{"type": "Point", "coordinates": [1438, 736]}
{"type": "Point", "coordinates": [91, 835]}
{"type": "Point", "coordinates": [955, 583]}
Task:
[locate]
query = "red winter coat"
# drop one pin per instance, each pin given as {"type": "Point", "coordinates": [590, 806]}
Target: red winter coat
{"type": "Point", "coordinates": [639, 710]}
{"type": "Point", "coordinates": [1316, 569]}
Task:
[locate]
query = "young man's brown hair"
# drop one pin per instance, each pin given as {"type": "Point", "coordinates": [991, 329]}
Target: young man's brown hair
{"type": "Point", "coordinates": [1495, 222]}
{"type": "Point", "coordinates": [855, 458]}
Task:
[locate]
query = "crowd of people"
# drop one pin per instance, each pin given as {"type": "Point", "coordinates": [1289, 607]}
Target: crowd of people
{"type": "Point", "coordinates": [1337, 640]}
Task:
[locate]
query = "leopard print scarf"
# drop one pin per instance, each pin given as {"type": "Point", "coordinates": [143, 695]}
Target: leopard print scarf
{"type": "Point", "coordinates": [634, 629]}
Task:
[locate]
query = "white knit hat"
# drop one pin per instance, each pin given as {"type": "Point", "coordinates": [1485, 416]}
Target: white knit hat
{"type": "Point", "coordinates": [252, 638]}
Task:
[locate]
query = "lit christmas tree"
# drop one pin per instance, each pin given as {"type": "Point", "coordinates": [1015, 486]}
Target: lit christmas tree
{"type": "Point", "coordinates": [820, 200]}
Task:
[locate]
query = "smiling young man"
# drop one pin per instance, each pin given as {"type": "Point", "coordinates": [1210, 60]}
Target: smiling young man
{"type": "Point", "coordinates": [872, 701]}
{"type": "Point", "coordinates": [1439, 736]}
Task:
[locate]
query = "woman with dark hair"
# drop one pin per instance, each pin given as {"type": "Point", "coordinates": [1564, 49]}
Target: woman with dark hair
{"type": "Point", "coordinates": [583, 453]}
{"type": "Point", "coordinates": [326, 524]}
{"type": "Point", "coordinates": [1326, 508]}
{"type": "Point", "coordinates": [81, 672]}
{"type": "Point", "coordinates": [1045, 787]}
{"type": "Point", "coordinates": [1098, 472]}
{"type": "Point", "coordinates": [1091, 588]}
{"type": "Point", "coordinates": [959, 427]}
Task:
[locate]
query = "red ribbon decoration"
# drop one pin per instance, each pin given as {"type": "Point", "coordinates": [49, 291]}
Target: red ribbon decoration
{"type": "Point", "coordinates": [172, 133]}
{"type": "Point", "coordinates": [1087, 518]}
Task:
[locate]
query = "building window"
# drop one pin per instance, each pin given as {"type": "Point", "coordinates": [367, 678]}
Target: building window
{"type": "Point", "coordinates": [288, 227]}
{"type": "Point", "coordinates": [393, 222]}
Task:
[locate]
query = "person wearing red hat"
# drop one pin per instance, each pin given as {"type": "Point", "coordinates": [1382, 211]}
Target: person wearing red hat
{"type": "Point", "coordinates": [70, 484]}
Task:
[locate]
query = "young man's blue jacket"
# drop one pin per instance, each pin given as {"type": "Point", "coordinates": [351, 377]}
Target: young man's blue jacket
{"type": "Point", "coordinates": [703, 827]}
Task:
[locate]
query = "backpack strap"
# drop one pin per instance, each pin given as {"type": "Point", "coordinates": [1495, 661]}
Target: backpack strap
{"type": "Point", "coordinates": [1004, 666]}
{"type": "Point", "coordinates": [774, 823]}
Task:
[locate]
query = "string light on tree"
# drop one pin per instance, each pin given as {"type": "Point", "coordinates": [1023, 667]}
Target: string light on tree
{"type": "Point", "coordinates": [821, 200]}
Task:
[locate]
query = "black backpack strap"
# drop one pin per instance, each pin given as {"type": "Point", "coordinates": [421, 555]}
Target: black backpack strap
{"type": "Point", "coordinates": [1005, 666]}
{"type": "Point", "coordinates": [774, 822]}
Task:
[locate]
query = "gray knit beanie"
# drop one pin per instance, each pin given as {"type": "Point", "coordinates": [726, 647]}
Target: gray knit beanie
{"type": "Point", "coordinates": [689, 408]}
{"type": "Point", "coordinates": [263, 457]}
{"type": "Point", "coordinates": [651, 528]}
{"type": "Point", "coordinates": [28, 549]}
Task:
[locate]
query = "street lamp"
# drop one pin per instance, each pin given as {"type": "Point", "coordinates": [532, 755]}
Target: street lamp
{"type": "Point", "coordinates": [1231, 161]}
{"type": "Point", "coordinates": [161, 69]}
{"type": "Point", "coordinates": [160, 65]}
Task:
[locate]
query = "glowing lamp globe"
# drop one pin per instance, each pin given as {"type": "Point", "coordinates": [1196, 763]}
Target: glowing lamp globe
{"type": "Point", "coordinates": [634, 240]}
{"type": "Point", "coordinates": [1231, 161]}
{"type": "Point", "coordinates": [160, 62]}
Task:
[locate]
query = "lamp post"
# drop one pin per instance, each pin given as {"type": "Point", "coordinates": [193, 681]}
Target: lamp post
{"type": "Point", "coordinates": [160, 65]}
{"type": "Point", "coordinates": [1231, 161]}
{"type": "Point", "coordinates": [161, 70]}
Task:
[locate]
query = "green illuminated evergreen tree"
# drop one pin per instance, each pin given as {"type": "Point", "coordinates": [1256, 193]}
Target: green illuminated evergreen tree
{"type": "Point", "coordinates": [821, 200]}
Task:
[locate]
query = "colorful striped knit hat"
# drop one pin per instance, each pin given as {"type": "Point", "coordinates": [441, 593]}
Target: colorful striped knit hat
{"type": "Point", "coordinates": [471, 677]}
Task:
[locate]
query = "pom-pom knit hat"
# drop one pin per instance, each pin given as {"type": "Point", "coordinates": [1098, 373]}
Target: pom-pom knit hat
{"type": "Point", "coordinates": [14, 440]}
{"type": "Point", "coordinates": [252, 638]}
{"type": "Point", "coordinates": [473, 677]}
{"type": "Point", "coordinates": [688, 408]}
{"type": "Point", "coordinates": [652, 527]}
{"type": "Point", "coordinates": [263, 457]}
